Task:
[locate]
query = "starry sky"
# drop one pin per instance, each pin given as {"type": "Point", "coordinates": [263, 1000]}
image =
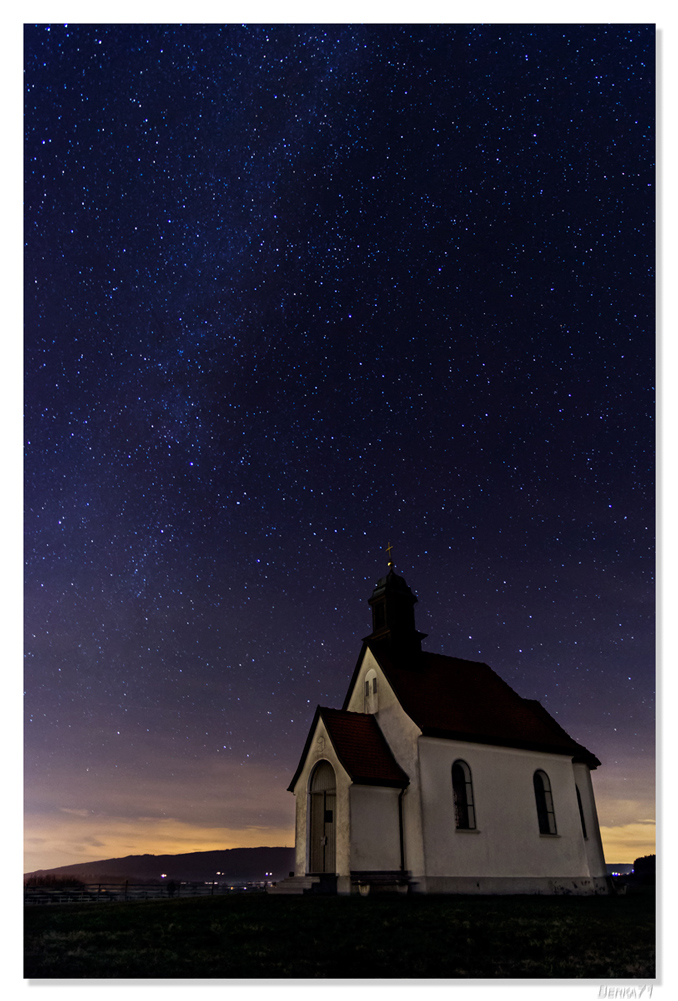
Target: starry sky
{"type": "Point", "coordinates": [293, 292]}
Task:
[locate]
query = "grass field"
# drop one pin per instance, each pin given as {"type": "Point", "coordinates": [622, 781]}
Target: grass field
{"type": "Point", "coordinates": [379, 936]}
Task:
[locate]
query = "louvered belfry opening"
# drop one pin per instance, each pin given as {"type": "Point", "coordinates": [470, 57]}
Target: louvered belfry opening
{"type": "Point", "coordinates": [322, 841]}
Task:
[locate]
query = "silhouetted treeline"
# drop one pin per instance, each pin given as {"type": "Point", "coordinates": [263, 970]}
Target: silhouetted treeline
{"type": "Point", "coordinates": [645, 869]}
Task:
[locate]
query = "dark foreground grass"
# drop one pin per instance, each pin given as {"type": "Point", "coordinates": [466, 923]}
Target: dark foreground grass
{"type": "Point", "coordinates": [260, 936]}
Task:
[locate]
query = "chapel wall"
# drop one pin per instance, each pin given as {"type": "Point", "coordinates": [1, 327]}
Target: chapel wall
{"type": "Point", "coordinates": [593, 844]}
{"type": "Point", "coordinates": [375, 828]}
{"type": "Point", "coordinates": [506, 841]}
{"type": "Point", "coordinates": [401, 735]}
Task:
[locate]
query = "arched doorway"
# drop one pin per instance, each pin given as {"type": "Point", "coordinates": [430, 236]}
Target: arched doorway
{"type": "Point", "coordinates": [322, 840]}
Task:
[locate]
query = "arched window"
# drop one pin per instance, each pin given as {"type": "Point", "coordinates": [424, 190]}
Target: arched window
{"type": "Point", "coordinates": [581, 812]}
{"type": "Point", "coordinates": [545, 811]}
{"type": "Point", "coordinates": [462, 787]}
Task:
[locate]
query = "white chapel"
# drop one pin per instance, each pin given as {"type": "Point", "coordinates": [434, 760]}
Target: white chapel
{"type": "Point", "coordinates": [436, 777]}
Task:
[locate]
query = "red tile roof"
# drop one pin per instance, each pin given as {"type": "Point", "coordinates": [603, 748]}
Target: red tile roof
{"type": "Point", "coordinates": [360, 746]}
{"type": "Point", "coordinates": [466, 700]}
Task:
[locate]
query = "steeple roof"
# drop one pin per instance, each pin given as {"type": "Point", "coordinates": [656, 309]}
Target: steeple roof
{"type": "Point", "coordinates": [393, 582]}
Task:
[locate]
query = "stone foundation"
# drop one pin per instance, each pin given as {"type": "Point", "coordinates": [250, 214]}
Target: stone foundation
{"type": "Point", "coordinates": [545, 885]}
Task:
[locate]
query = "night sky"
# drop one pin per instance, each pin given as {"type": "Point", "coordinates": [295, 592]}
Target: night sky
{"type": "Point", "coordinates": [293, 293]}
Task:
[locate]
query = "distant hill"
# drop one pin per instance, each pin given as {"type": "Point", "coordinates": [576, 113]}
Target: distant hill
{"type": "Point", "coordinates": [241, 865]}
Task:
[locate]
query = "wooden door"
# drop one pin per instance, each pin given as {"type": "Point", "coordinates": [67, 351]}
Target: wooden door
{"type": "Point", "coordinates": [322, 837]}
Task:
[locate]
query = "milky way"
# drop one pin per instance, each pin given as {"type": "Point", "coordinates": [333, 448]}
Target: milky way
{"type": "Point", "coordinates": [293, 293]}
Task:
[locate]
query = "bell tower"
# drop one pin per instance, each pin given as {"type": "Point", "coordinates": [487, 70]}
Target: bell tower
{"type": "Point", "coordinates": [392, 603]}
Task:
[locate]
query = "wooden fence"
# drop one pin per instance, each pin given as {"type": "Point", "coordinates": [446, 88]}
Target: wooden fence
{"type": "Point", "coordinates": [96, 893]}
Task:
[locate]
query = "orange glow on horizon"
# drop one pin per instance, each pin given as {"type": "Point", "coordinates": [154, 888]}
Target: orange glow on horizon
{"type": "Point", "coordinates": [65, 840]}
{"type": "Point", "coordinates": [627, 842]}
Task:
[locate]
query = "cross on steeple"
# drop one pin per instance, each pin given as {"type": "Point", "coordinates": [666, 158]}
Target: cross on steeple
{"type": "Point", "coordinates": [389, 550]}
